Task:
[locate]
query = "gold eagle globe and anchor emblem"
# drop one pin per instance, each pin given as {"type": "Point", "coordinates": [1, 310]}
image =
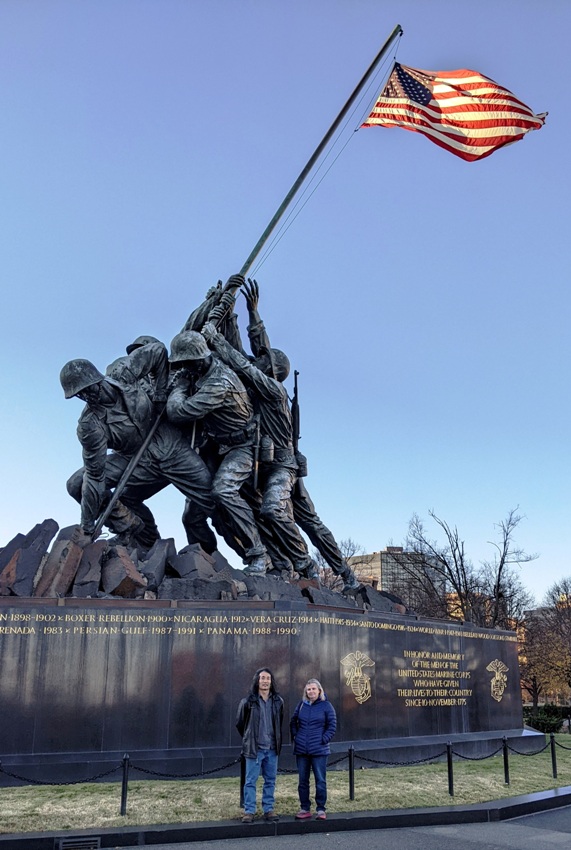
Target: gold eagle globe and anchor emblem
{"type": "Point", "coordinates": [499, 679]}
{"type": "Point", "coordinates": [358, 681]}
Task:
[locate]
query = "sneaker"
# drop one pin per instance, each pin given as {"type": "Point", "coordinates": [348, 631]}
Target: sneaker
{"type": "Point", "coordinates": [271, 816]}
{"type": "Point", "coordinates": [320, 815]}
{"type": "Point", "coordinates": [302, 815]}
{"type": "Point", "coordinates": [248, 818]}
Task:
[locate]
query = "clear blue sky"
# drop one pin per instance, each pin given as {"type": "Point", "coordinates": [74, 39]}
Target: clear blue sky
{"type": "Point", "coordinates": [424, 300]}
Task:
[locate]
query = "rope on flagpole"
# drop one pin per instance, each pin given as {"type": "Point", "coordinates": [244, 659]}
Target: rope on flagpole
{"type": "Point", "coordinates": [398, 31]}
{"type": "Point", "coordinates": [310, 189]}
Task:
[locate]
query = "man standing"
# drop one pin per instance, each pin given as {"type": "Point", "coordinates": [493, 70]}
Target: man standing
{"type": "Point", "coordinates": [259, 722]}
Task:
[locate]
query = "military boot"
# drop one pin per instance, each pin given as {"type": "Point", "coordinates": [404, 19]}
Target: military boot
{"type": "Point", "coordinates": [350, 580]}
{"type": "Point", "coordinates": [256, 567]}
{"type": "Point", "coordinates": [307, 569]}
{"type": "Point", "coordinates": [126, 525]}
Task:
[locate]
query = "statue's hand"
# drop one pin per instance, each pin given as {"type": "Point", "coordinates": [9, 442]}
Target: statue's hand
{"type": "Point", "coordinates": [225, 306]}
{"type": "Point", "coordinates": [234, 283]}
{"type": "Point", "coordinates": [180, 380]}
{"type": "Point", "coordinates": [209, 330]}
{"type": "Point", "coordinates": [251, 292]}
{"type": "Point", "coordinates": [215, 293]}
{"type": "Point", "coordinates": [301, 464]}
{"type": "Point", "coordinates": [216, 315]}
{"type": "Point", "coordinates": [82, 536]}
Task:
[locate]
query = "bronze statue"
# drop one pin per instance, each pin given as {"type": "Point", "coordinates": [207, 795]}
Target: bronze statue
{"type": "Point", "coordinates": [304, 512]}
{"type": "Point", "coordinates": [118, 415]}
{"type": "Point", "coordinates": [227, 441]}
{"type": "Point", "coordinates": [278, 466]}
{"type": "Point", "coordinates": [206, 389]}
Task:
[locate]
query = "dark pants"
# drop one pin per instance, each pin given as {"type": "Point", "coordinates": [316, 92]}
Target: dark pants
{"type": "Point", "coordinates": [276, 513]}
{"type": "Point", "coordinates": [306, 517]}
{"type": "Point", "coordinates": [167, 460]}
{"type": "Point", "coordinates": [317, 764]}
{"type": "Point", "coordinates": [233, 517]}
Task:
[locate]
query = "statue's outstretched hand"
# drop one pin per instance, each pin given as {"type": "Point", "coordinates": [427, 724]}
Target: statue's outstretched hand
{"type": "Point", "coordinates": [251, 292]}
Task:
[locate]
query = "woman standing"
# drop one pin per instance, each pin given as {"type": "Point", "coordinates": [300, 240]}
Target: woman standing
{"type": "Point", "coordinates": [312, 727]}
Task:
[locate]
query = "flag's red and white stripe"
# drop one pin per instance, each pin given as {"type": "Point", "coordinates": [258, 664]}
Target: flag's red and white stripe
{"type": "Point", "coordinates": [462, 111]}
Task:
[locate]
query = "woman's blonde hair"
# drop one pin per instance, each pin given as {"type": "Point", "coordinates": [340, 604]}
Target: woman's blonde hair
{"type": "Point", "coordinates": [314, 682]}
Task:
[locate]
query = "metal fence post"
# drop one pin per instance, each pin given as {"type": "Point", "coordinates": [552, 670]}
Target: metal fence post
{"type": "Point", "coordinates": [450, 769]}
{"type": "Point", "coordinates": [506, 761]}
{"type": "Point", "coordinates": [125, 784]}
{"type": "Point", "coordinates": [553, 756]}
{"type": "Point", "coordinates": [351, 773]}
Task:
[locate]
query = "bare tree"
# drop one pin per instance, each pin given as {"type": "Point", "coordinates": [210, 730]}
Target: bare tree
{"type": "Point", "coordinates": [443, 581]}
{"type": "Point", "coordinates": [349, 550]}
{"type": "Point", "coordinates": [538, 652]}
{"type": "Point", "coordinates": [413, 577]}
{"type": "Point", "coordinates": [556, 613]}
{"type": "Point", "coordinates": [508, 599]}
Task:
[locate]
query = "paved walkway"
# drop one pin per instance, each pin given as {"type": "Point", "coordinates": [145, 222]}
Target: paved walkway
{"type": "Point", "coordinates": [539, 821]}
{"type": "Point", "coordinates": [544, 831]}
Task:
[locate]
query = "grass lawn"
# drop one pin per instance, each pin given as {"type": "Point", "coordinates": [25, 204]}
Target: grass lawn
{"type": "Point", "coordinates": [92, 805]}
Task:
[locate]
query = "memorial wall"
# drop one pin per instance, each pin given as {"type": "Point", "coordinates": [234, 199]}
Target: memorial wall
{"type": "Point", "coordinates": [102, 676]}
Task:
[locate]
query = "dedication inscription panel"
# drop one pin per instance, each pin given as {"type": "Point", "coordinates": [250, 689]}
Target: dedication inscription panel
{"type": "Point", "coordinates": [100, 675]}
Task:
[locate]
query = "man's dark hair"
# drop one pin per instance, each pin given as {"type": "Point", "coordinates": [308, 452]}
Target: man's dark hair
{"type": "Point", "coordinates": [255, 689]}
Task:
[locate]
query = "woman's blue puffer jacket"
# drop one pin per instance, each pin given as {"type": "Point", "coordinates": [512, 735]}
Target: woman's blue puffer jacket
{"type": "Point", "coordinates": [312, 727]}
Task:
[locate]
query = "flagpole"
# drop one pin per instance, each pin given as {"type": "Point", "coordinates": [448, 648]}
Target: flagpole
{"type": "Point", "coordinates": [318, 151]}
{"type": "Point", "coordinates": [256, 250]}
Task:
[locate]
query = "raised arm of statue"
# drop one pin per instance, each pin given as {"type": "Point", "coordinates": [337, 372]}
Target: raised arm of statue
{"type": "Point", "coordinates": [218, 307]}
{"type": "Point", "coordinates": [251, 292]}
{"type": "Point", "coordinates": [200, 315]}
{"type": "Point", "coordinates": [257, 334]}
{"type": "Point", "coordinates": [223, 315]}
{"type": "Point", "coordinates": [268, 388]}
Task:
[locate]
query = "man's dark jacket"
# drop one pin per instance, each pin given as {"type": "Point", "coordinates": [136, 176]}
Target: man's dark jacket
{"type": "Point", "coordinates": [248, 723]}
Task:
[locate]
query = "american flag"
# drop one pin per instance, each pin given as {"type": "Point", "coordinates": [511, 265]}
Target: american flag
{"type": "Point", "coordinates": [462, 111]}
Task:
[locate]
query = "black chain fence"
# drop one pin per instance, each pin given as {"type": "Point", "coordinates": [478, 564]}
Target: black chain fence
{"type": "Point", "coordinates": [185, 775]}
{"type": "Point", "coordinates": [126, 766]}
{"type": "Point", "coordinates": [478, 758]}
{"type": "Point", "coordinates": [534, 753]}
{"type": "Point", "coordinates": [29, 781]}
{"type": "Point", "coordinates": [401, 763]}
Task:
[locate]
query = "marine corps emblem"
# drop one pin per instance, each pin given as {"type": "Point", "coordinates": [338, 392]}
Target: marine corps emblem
{"type": "Point", "coordinates": [358, 681]}
{"type": "Point", "coordinates": [499, 679]}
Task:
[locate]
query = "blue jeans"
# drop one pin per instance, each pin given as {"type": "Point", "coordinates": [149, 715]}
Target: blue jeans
{"type": "Point", "coordinates": [305, 764]}
{"type": "Point", "coordinates": [266, 763]}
